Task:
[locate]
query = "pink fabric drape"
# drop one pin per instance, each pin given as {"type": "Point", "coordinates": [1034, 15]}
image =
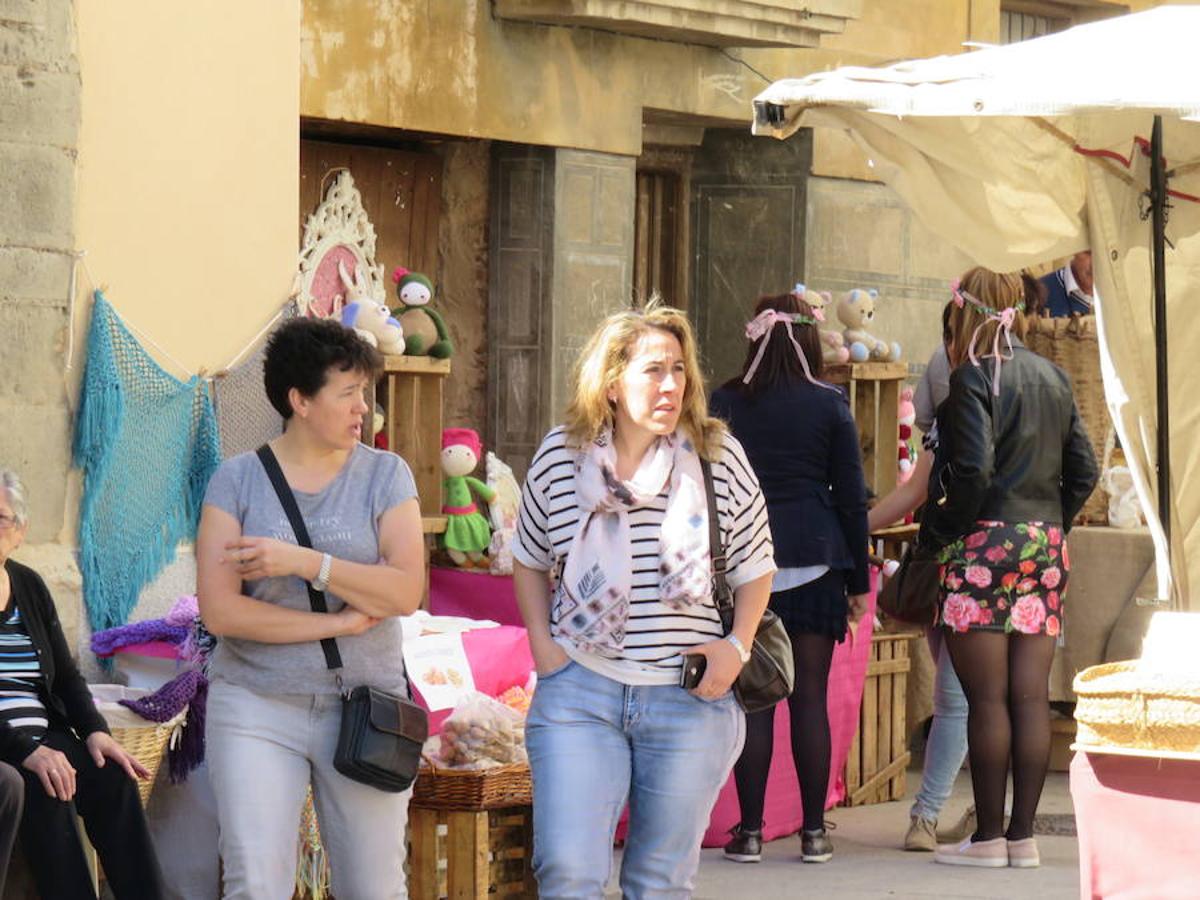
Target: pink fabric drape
{"type": "Point", "coordinates": [481, 596]}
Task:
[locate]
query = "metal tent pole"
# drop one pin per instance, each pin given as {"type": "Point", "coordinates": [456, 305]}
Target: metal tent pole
{"type": "Point", "coordinates": [1158, 199]}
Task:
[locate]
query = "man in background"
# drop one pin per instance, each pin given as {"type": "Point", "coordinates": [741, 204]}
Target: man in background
{"type": "Point", "coordinates": [1070, 290]}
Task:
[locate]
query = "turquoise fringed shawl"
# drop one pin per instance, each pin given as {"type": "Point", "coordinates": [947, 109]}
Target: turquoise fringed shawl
{"type": "Point", "coordinates": [147, 445]}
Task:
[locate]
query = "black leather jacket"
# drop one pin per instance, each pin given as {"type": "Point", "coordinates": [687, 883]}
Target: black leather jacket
{"type": "Point", "coordinates": [1020, 457]}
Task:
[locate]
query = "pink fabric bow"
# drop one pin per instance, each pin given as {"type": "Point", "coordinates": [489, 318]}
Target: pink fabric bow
{"type": "Point", "coordinates": [759, 328]}
{"type": "Point", "coordinates": [1005, 319]}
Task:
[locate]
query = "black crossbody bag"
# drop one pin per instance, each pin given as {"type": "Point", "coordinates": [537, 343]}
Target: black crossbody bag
{"type": "Point", "coordinates": [770, 674]}
{"type": "Point", "coordinates": [379, 743]}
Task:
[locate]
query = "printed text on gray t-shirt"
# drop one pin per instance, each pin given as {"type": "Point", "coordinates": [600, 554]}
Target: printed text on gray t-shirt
{"type": "Point", "coordinates": [342, 519]}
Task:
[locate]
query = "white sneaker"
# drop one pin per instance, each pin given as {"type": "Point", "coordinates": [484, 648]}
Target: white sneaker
{"type": "Point", "coordinates": [991, 854]}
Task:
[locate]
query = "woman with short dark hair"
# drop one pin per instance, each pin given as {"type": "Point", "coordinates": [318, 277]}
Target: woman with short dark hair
{"type": "Point", "coordinates": [803, 445]}
{"type": "Point", "coordinates": [274, 708]}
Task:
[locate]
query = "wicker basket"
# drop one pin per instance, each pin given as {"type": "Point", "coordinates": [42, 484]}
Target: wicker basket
{"type": "Point", "coordinates": [1074, 346]}
{"type": "Point", "coordinates": [473, 789]}
{"type": "Point", "coordinates": [145, 741]}
{"type": "Point", "coordinates": [1121, 707]}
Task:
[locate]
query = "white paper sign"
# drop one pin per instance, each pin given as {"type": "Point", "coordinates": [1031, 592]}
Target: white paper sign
{"type": "Point", "coordinates": [437, 666]}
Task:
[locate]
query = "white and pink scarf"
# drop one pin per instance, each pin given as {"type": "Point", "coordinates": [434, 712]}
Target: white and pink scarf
{"type": "Point", "coordinates": [596, 584]}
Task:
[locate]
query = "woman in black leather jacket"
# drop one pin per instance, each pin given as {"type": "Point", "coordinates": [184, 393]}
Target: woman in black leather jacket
{"type": "Point", "coordinates": [1013, 468]}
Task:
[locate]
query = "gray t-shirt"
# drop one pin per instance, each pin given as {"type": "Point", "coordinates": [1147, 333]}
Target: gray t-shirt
{"type": "Point", "coordinates": [933, 389]}
{"type": "Point", "coordinates": [342, 519]}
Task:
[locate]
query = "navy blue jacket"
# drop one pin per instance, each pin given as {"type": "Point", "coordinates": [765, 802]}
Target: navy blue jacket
{"type": "Point", "coordinates": [1058, 303]}
{"type": "Point", "coordinates": [803, 445]}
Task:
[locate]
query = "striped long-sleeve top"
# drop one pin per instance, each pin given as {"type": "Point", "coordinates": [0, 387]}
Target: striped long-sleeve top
{"type": "Point", "coordinates": [20, 677]}
{"type": "Point", "coordinates": [655, 634]}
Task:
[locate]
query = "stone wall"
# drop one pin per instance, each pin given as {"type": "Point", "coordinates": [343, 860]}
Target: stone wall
{"type": "Point", "coordinates": [593, 256]}
{"type": "Point", "coordinates": [39, 135]}
{"type": "Point", "coordinates": [748, 235]}
{"type": "Point", "coordinates": [861, 235]}
{"type": "Point", "coordinates": [39, 129]}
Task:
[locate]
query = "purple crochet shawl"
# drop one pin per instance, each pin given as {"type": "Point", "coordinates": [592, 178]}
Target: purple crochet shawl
{"type": "Point", "coordinates": [190, 689]}
{"type": "Point", "coordinates": [109, 641]}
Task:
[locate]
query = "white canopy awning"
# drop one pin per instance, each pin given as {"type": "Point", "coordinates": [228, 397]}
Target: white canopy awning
{"type": "Point", "coordinates": [1026, 152]}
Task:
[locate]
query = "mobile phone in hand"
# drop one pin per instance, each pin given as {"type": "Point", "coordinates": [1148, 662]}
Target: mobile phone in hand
{"type": "Point", "coordinates": [694, 665]}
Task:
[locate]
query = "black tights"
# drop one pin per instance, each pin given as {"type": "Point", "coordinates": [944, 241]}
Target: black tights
{"type": "Point", "coordinates": [1005, 678]}
{"type": "Point", "coordinates": [813, 654]}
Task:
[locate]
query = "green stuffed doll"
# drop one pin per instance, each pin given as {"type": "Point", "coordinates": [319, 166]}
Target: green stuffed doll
{"type": "Point", "coordinates": [468, 532]}
{"type": "Point", "coordinates": [425, 331]}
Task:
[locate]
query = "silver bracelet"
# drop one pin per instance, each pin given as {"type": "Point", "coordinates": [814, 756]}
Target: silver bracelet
{"type": "Point", "coordinates": [321, 582]}
{"type": "Point", "coordinates": [742, 652]}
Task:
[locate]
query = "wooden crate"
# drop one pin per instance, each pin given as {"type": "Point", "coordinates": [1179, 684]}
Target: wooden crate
{"type": "Point", "coordinates": [410, 392]}
{"type": "Point", "coordinates": [878, 759]}
{"type": "Point", "coordinates": [470, 855]}
{"type": "Point", "coordinates": [875, 401]}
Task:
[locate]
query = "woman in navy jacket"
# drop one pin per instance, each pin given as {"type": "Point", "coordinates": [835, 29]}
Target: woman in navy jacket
{"type": "Point", "coordinates": [803, 445]}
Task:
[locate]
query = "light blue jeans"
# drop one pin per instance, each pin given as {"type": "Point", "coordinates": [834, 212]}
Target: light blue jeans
{"type": "Point", "coordinates": [947, 745]}
{"type": "Point", "coordinates": [263, 752]}
{"type": "Point", "coordinates": [595, 743]}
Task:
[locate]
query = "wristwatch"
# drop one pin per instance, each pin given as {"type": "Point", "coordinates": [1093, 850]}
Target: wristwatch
{"type": "Point", "coordinates": [321, 582]}
{"type": "Point", "coordinates": [743, 653]}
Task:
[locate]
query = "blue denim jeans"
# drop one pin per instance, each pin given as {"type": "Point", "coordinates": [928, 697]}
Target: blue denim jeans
{"type": "Point", "coordinates": [595, 743]}
{"type": "Point", "coordinates": [947, 745]}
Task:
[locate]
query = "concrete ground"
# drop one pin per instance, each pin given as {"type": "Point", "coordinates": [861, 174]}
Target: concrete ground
{"type": "Point", "coordinates": [868, 862]}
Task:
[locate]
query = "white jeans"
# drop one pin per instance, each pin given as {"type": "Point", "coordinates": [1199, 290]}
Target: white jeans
{"type": "Point", "coordinates": [263, 751]}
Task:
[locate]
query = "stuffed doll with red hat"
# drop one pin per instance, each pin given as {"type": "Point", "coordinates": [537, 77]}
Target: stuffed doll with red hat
{"type": "Point", "coordinates": [467, 530]}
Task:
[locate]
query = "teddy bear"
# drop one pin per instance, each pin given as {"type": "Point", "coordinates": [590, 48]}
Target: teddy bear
{"type": "Point", "coordinates": [369, 318]}
{"type": "Point", "coordinates": [907, 416]}
{"type": "Point", "coordinates": [833, 345]}
{"type": "Point", "coordinates": [855, 310]}
{"type": "Point", "coordinates": [426, 331]}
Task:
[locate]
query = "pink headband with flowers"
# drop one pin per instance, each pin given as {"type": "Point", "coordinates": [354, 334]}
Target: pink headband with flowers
{"type": "Point", "coordinates": [759, 329]}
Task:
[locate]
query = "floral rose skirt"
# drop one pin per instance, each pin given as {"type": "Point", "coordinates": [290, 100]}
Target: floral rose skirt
{"type": "Point", "coordinates": [1004, 577]}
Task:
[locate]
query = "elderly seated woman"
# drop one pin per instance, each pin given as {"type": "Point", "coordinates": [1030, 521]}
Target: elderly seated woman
{"type": "Point", "coordinates": [52, 733]}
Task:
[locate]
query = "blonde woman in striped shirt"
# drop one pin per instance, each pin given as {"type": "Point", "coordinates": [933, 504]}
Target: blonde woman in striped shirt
{"type": "Point", "coordinates": [614, 504]}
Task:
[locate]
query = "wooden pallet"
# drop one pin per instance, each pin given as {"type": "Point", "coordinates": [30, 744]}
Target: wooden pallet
{"type": "Point", "coordinates": [875, 401]}
{"type": "Point", "coordinates": [411, 394]}
{"type": "Point", "coordinates": [878, 760]}
{"type": "Point", "coordinates": [470, 855]}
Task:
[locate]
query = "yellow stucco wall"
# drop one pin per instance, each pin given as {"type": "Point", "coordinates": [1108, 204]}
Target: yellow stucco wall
{"type": "Point", "coordinates": [452, 67]}
{"type": "Point", "coordinates": [189, 166]}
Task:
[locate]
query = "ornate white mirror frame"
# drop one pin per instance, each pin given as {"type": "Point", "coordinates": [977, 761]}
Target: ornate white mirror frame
{"type": "Point", "coordinates": [338, 232]}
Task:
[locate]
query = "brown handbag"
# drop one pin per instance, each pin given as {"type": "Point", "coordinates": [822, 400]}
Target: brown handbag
{"type": "Point", "coordinates": [911, 595]}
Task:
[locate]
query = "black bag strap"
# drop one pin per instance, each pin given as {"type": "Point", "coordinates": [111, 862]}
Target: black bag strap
{"type": "Point", "coordinates": [333, 658]}
{"type": "Point", "coordinates": [722, 594]}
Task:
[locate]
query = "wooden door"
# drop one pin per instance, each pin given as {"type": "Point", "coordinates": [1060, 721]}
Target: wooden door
{"type": "Point", "coordinates": [401, 191]}
{"type": "Point", "coordinates": [657, 234]}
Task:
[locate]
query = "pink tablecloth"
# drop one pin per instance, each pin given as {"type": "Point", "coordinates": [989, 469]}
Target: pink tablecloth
{"type": "Point", "coordinates": [1138, 820]}
{"type": "Point", "coordinates": [499, 659]}
{"type": "Point", "coordinates": [781, 813]}
{"type": "Point", "coordinates": [453, 592]}
{"type": "Point", "coordinates": [476, 595]}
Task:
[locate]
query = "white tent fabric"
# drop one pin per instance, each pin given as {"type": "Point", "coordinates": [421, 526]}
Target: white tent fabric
{"type": "Point", "coordinates": [1026, 152]}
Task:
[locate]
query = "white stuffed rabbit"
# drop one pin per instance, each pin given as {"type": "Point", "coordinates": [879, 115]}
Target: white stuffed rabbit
{"type": "Point", "coordinates": [369, 317]}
